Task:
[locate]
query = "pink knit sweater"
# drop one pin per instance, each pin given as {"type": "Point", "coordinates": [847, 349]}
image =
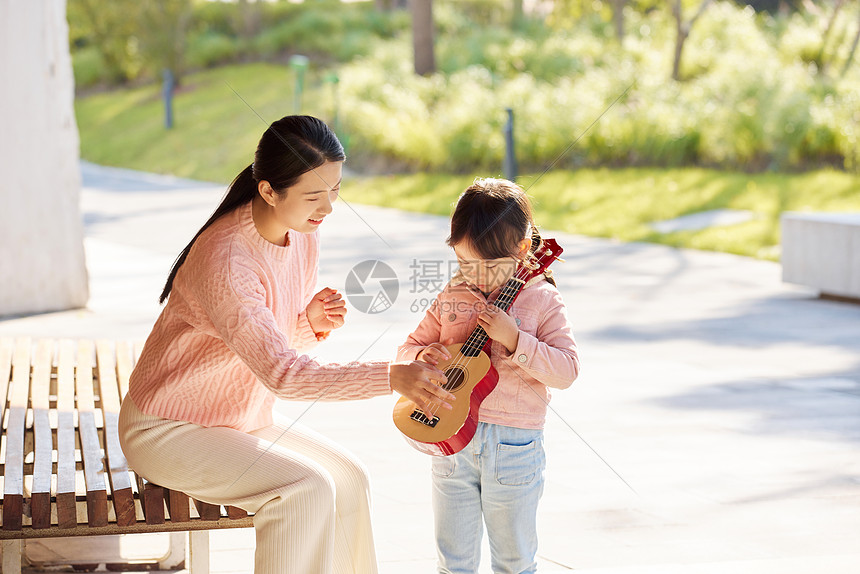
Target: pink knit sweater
{"type": "Point", "coordinates": [225, 345]}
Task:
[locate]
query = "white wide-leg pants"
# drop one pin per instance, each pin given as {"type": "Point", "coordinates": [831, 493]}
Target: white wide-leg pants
{"type": "Point", "coordinates": [309, 496]}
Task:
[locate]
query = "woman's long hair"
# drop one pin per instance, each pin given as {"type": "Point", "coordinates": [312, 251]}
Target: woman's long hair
{"type": "Point", "coordinates": [289, 148]}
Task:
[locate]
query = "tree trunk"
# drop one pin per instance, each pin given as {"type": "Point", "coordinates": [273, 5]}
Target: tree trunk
{"type": "Point", "coordinates": [680, 37]}
{"type": "Point", "coordinates": [618, 18]}
{"type": "Point", "coordinates": [822, 56]}
{"type": "Point", "coordinates": [249, 19]}
{"type": "Point", "coordinates": [422, 37]}
{"type": "Point", "coordinates": [850, 58]}
{"type": "Point", "coordinates": [683, 32]}
{"type": "Point", "coordinates": [517, 17]}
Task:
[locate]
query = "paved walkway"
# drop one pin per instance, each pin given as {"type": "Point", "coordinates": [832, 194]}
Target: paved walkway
{"type": "Point", "coordinates": [728, 401]}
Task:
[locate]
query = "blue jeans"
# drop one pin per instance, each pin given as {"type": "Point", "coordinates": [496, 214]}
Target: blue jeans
{"type": "Point", "coordinates": [500, 475]}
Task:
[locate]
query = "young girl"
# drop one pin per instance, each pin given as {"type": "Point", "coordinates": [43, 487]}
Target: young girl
{"type": "Point", "coordinates": [198, 417]}
{"type": "Point", "coordinates": [498, 476]}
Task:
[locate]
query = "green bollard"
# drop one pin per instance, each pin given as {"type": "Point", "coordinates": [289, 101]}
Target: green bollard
{"type": "Point", "coordinates": [300, 64]}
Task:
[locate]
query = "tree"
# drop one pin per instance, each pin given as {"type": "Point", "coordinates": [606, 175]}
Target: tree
{"type": "Point", "coordinates": [422, 37]}
{"type": "Point", "coordinates": [517, 12]}
{"type": "Point", "coordinates": [822, 60]}
{"type": "Point", "coordinates": [162, 30]}
{"type": "Point", "coordinates": [851, 53]}
{"type": "Point", "coordinates": [249, 19]}
{"type": "Point", "coordinates": [683, 32]}
{"type": "Point", "coordinates": [618, 18]}
{"type": "Point", "coordinates": [107, 26]}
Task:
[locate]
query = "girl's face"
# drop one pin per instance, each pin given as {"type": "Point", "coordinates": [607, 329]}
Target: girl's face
{"type": "Point", "coordinates": [485, 274]}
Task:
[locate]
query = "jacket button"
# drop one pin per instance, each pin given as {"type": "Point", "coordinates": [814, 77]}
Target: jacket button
{"type": "Point", "coordinates": [452, 317]}
{"type": "Point", "coordinates": [522, 358]}
{"type": "Point", "coordinates": [519, 322]}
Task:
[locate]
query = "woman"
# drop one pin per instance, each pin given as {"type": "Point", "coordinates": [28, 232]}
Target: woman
{"type": "Point", "coordinates": [240, 306]}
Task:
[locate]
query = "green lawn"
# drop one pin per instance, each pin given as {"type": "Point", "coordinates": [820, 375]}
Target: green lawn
{"type": "Point", "coordinates": [219, 115]}
{"type": "Point", "coordinates": [216, 131]}
{"type": "Point", "coordinates": [622, 203]}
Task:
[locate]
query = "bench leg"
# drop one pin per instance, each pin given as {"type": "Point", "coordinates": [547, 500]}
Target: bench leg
{"type": "Point", "coordinates": [12, 556]}
{"type": "Point", "coordinates": [198, 552]}
{"type": "Point", "coordinates": [178, 547]}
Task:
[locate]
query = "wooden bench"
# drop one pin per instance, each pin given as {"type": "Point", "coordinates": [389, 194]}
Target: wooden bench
{"type": "Point", "coordinates": [63, 472]}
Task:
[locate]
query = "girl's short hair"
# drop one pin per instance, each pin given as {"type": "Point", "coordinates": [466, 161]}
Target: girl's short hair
{"type": "Point", "coordinates": [493, 215]}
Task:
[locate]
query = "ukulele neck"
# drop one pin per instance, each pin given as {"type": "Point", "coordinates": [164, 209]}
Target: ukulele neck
{"type": "Point", "coordinates": [476, 341]}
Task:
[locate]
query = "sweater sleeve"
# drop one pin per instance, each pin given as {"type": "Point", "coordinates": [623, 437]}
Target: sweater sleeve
{"type": "Point", "coordinates": [304, 338]}
{"type": "Point", "coordinates": [428, 331]}
{"type": "Point", "coordinates": [551, 356]}
{"type": "Point", "coordinates": [234, 298]}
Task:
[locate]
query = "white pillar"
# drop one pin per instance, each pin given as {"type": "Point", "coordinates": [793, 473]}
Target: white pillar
{"type": "Point", "coordinates": [42, 266]}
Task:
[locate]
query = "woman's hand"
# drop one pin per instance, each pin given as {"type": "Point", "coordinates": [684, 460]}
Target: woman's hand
{"type": "Point", "coordinates": [500, 327]}
{"type": "Point", "coordinates": [435, 352]}
{"type": "Point", "coordinates": [326, 311]}
{"type": "Point", "coordinates": [420, 383]}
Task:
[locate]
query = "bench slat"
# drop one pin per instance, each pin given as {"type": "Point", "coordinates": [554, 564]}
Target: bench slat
{"type": "Point", "coordinates": [178, 506]}
{"type": "Point", "coordinates": [19, 392]}
{"type": "Point", "coordinates": [40, 501]}
{"type": "Point", "coordinates": [94, 471]}
{"type": "Point", "coordinates": [120, 480]}
{"type": "Point", "coordinates": [124, 365]}
{"type": "Point", "coordinates": [152, 500]}
{"type": "Point", "coordinates": [66, 507]}
{"type": "Point", "coordinates": [207, 511]}
{"type": "Point", "coordinates": [7, 346]}
{"type": "Point", "coordinates": [152, 496]}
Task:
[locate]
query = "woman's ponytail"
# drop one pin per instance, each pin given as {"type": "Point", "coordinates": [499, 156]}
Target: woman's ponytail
{"type": "Point", "coordinates": [241, 191]}
{"type": "Point", "coordinates": [289, 148]}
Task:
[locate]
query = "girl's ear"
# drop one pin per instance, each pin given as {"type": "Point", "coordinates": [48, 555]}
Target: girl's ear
{"type": "Point", "coordinates": [266, 192]}
{"type": "Point", "coordinates": [523, 248]}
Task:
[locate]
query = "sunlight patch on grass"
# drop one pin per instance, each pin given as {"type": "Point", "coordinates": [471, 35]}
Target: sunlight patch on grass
{"type": "Point", "coordinates": [622, 204]}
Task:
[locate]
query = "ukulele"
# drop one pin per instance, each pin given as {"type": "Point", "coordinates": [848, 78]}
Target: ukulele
{"type": "Point", "coordinates": [469, 372]}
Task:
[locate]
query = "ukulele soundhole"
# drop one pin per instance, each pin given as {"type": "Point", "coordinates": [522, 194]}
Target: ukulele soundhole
{"type": "Point", "coordinates": [456, 377]}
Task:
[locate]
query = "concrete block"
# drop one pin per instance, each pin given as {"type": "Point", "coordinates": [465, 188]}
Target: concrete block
{"type": "Point", "coordinates": [822, 251]}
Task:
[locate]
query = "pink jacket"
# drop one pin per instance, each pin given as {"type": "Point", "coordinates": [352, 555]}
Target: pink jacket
{"type": "Point", "coordinates": [545, 355]}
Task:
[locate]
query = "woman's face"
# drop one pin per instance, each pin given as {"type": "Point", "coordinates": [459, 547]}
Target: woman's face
{"type": "Point", "coordinates": [304, 206]}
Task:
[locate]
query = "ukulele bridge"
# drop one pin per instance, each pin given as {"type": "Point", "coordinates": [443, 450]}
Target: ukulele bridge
{"type": "Point", "coordinates": [418, 415]}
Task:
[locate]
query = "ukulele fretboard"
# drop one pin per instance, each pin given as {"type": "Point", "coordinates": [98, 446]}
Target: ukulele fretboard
{"type": "Point", "coordinates": [478, 338]}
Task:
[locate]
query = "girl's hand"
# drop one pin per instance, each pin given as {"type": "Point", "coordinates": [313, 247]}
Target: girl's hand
{"type": "Point", "coordinates": [435, 352]}
{"type": "Point", "coordinates": [326, 311]}
{"type": "Point", "coordinates": [500, 327]}
{"type": "Point", "coordinates": [420, 383]}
